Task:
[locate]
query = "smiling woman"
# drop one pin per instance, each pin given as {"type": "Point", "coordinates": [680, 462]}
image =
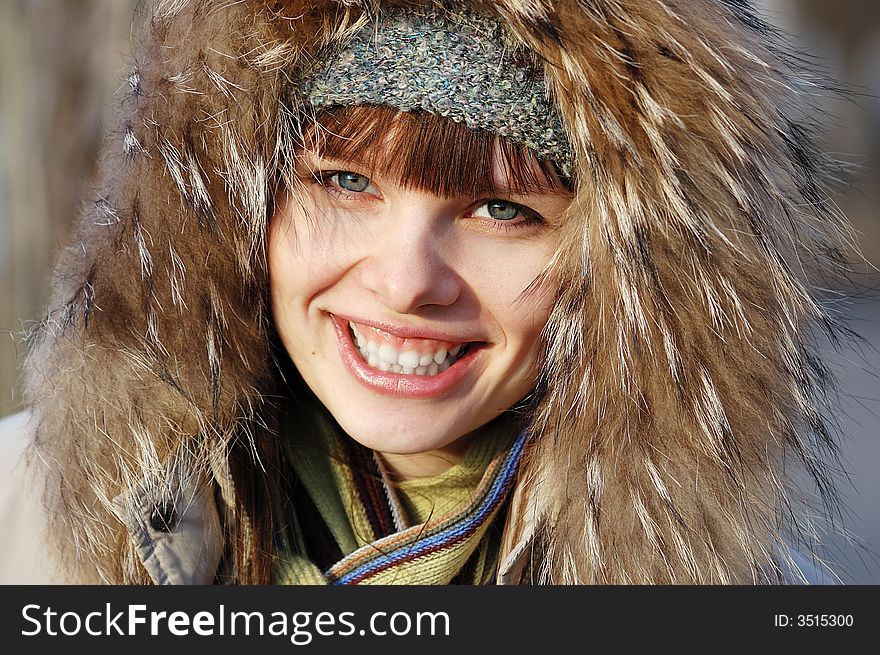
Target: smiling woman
{"type": "Point", "coordinates": [410, 285]}
{"type": "Point", "coordinates": [420, 292]}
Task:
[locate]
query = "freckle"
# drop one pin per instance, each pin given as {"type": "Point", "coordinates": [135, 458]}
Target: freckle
{"type": "Point", "coordinates": [313, 352]}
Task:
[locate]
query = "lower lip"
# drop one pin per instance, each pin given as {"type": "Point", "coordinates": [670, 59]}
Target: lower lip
{"type": "Point", "coordinates": [396, 384]}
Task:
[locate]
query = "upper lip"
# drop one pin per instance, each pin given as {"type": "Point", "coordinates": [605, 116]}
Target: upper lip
{"type": "Point", "coordinates": [409, 332]}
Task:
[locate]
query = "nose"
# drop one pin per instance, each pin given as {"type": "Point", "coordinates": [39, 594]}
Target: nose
{"type": "Point", "coordinates": [408, 268]}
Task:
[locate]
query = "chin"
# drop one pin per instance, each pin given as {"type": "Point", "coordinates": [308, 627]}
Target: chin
{"type": "Point", "coordinates": [407, 436]}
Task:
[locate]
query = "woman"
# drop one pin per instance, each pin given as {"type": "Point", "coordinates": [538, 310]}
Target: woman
{"type": "Point", "coordinates": [430, 293]}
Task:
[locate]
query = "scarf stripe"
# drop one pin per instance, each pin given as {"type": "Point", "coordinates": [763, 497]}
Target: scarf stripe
{"type": "Point", "coordinates": [370, 489]}
{"type": "Point", "coordinates": [446, 532]}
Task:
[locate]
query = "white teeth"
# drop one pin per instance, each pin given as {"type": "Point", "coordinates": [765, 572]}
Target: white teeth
{"type": "Point", "coordinates": [385, 357]}
{"type": "Point", "coordinates": [408, 359]}
{"type": "Point", "coordinates": [387, 353]}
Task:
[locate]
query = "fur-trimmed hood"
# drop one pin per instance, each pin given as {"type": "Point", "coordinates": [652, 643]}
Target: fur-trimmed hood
{"type": "Point", "coordinates": [680, 385]}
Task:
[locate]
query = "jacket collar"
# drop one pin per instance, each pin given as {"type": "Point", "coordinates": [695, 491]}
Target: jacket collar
{"type": "Point", "coordinates": [179, 540]}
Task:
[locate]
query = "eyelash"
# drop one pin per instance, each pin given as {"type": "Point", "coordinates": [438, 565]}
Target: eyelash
{"type": "Point", "coordinates": [530, 218]}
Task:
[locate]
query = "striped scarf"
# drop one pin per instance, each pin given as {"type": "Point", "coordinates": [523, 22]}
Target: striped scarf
{"type": "Point", "coordinates": [342, 521]}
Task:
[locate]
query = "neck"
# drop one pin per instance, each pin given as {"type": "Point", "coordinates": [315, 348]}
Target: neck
{"type": "Point", "coordinates": [426, 464]}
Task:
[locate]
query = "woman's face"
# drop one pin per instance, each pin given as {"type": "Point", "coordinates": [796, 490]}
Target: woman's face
{"type": "Point", "coordinates": [409, 315]}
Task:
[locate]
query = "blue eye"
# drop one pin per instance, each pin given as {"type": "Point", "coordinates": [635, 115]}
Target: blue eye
{"type": "Point", "coordinates": [499, 210]}
{"type": "Point", "coordinates": [352, 181]}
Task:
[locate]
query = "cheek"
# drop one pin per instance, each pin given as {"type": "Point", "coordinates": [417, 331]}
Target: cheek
{"type": "Point", "coordinates": [283, 280]}
{"type": "Point", "coordinates": [305, 254]}
{"type": "Point", "coordinates": [280, 255]}
{"type": "Point", "coordinates": [508, 280]}
{"type": "Point", "coordinates": [524, 322]}
{"type": "Point", "coordinates": [518, 364]}
{"type": "Point", "coordinates": [298, 270]}
{"type": "Point", "coordinates": [286, 255]}
{"type": "Point", "coordinates": [523, 325]}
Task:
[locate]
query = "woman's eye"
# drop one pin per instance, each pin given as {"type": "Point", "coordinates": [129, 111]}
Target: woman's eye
{"type": "Point", "coordinates": [498, 210]}
{"type": "Point", "coordinates": [352, 181]}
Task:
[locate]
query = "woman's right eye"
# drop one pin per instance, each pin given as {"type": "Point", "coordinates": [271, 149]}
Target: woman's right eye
{"type": "Point", "coordinates": [346, 186]}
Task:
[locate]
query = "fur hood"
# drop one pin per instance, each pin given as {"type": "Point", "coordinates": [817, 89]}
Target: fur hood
{"type": "Point", "coordinates": [680, 386]}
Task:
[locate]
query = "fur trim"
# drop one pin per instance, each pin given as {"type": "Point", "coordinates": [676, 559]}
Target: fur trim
{"type": "Point", "coordinates": [680, 382]}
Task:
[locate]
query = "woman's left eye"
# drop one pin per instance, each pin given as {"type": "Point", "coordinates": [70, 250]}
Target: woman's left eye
{"type": "Point", "coordinates": [350, 181]}
{"type": "Point", "coordinates": [504, 211]}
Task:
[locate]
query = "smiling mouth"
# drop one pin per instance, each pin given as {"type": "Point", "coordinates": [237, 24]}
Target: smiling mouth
{"type": "Point", "coordinates": [385, 352]}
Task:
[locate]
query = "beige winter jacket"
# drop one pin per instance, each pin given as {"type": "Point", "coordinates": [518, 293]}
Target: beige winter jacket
{"type": "Point", "coordinates": [23, 556]}
{"type": "Point", "coordinates": [187, 553]}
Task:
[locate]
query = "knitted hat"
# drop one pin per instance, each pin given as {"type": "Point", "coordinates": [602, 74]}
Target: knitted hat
{"type": "Point", "coordinates": [451, 63]}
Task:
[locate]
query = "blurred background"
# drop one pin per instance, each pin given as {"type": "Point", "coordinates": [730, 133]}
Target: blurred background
{"type": "Point", "coordinates": [62, 61]}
